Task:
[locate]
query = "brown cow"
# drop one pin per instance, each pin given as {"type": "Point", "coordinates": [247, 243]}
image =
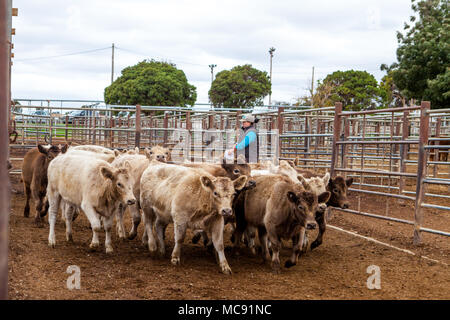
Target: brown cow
{"type": "Point", "coordinates": [338, 187]}
{"type": "Point", "coordinates": [230, 170]}
{"type": "Point", "coordinates": [190, 198]}
{"type": "Point", "coordinates": [278, 208]}
{"type": "Point", "coordinates": [34, 177]}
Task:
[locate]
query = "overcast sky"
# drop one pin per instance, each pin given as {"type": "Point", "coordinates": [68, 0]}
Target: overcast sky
{"type": "Point", "coordinates": [330, 35]}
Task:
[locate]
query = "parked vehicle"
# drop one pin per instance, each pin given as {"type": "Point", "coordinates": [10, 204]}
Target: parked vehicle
{"type": "Point", "coordinates": [76, 114]}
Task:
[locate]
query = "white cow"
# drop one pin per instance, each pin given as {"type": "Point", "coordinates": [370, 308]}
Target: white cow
{"type": "Point", "coordinates": [92, 184]}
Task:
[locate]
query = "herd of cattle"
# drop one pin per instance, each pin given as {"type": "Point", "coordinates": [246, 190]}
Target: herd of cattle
{"type": "Point", "coordinates": [273, 201]}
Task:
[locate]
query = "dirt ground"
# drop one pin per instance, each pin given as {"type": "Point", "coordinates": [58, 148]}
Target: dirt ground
{"type": "Point", "coordinates": [335, 270]}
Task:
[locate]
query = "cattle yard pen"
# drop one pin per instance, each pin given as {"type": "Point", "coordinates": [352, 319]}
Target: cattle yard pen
{"type": "Point", "coordinates": [398, 154]}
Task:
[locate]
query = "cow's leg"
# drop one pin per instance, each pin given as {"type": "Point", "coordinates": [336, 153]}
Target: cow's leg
{"type": "Point", "coordinates": [262, 235]}
{"type": "Point", "coordinates": [136, 220]}
{"type": "Point", "coordinates": [296, 251]}
{"type": "Point", "coordinates": [217, 239]}
{"type": "Point", "coordinates": [144, 234]}
{"type": "Point", "coordinates": [94, 220]}
{"type": "Point", "coordinates": [197, 236]}
{"type": "Point", "coordinates": [68, 217]}
{"type": "Point", "coordinates": [149, 221]}
{"type": "Point", "coordinates": [179, 234]}
{"type": "Point", "coordinates": [54, 200]}
{"type": "Point", "coordinates": [276, 245]}
{"type": "Point", "coordinates": [107, 224]}
{"type": "Point", "coordinates": [26, 210]}
{"type": "Point", "coordinates": [46, 206]}
{"type": "Point", "coordinates": [160, 227]}
{"type": "Point", "coordinates": [320, 218]}
{"type": "Point", "coordinates": [250, 234]}
{"type": "Point", "coordinates": [119, 223]}
{"type": "Point", "coordinates": [38, 198]}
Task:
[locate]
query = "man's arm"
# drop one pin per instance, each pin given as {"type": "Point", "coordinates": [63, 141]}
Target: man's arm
{"type": "Point", "coordinates": [249, 138]}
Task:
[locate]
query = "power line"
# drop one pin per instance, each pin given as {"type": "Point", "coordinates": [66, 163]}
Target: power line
{"type": "Point", "coordinates": [63, 55]}
{"type": "Point", "coordinates": [167, 58]}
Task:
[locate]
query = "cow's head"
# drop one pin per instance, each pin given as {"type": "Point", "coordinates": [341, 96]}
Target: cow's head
{"type": "Point", "coordinates": [222, 191]}
{"type": "Point", "coordinates": [235, 170]}
{"type": "Point", "coordinates": [122, 183]}
{"type": "Point", "coordinates": [319, 185]}
{"type": "Point", "coordinates": [50, 152]}
{"type": "Point", "coordinates": [158, 153]}
{"type": "Point", "coordinates": [304, 205]}
{"type": "Point", "coordinates": [338, 188]}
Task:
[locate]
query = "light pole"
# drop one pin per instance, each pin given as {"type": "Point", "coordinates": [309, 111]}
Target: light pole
{"type": "Point", "coordinates": [212, 66]}
{"type": "Point", "coordinates": [271, 51]}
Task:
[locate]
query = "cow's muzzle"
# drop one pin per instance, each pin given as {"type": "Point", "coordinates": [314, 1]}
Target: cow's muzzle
{"type": "Point", "coordinates": [131, 202]}
{"type": "Point", "coordinates": [226, 212]}
{"type": "Point", "coordinates": [311, 225]}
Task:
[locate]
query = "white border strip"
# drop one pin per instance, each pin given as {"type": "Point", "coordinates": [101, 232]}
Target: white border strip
{"type": "Point", "coordinates": [383, 243]}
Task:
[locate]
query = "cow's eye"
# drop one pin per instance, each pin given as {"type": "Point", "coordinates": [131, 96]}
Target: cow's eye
{"type": "Point", "coordinates": [335, 190]}
{"type": "Point", "coordinates": [120, 185]}
{"type": "Point", "coordinates": [236, 171]}
{"type": "Point", "coordinates": [300, 207]}
{"type": "Point", "coordinates": [215, 194]}
{"type": "Point", "coordinates": [151, 152]}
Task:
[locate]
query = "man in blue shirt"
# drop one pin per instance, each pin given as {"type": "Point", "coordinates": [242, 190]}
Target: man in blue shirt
{"type": "Point", "coordinates": [248, 144]}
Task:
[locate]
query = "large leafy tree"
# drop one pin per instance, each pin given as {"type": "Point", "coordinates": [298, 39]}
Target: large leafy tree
{"type": "Point", "coordinates": [151, 83]}
{"type": "Point", "coordinates": [357, 90]}
{"type": "Point", "coordinates": [424, 54]}
{"type": "Point", "coordinates": [390, 95]}
{"type": "Point", "coordinates": [242, 86]}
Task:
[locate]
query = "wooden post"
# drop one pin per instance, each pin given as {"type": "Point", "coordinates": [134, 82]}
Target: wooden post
{"type": "Point", "coordinates": [165, 125]}
{"type": "Point", "coordinates": [211, 121]}
{"type": "Point", "coordinates": [421, 170]}
{"type": "Point", "coordinates": [137, 128]}
{"type": "Point", "coordinates": [5, 193]}
{"type": "Point", "coordinates": [336, 136]}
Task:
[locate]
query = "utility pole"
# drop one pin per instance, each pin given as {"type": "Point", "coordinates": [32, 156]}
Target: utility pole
{"type": "Point", "coordinates": [312, 88]}
{"type": "Point", "coordinates": [271, 51]}
{"type": "Point", "coordinates": [212, 66]}
{"type": "Point", "coordinates": [112, 63]}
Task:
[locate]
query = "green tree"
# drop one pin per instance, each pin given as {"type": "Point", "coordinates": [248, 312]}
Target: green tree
{"type": "Point", "coordinates": [151, 83]}
{"type": "Point", "coordinates": [390, 95]}
{"type": "Point", "coordinates": [424, 54]}
{"type": "Point", "coordinates": [357, 90]}
{"type": "Point", "coordinates": [242, 86]}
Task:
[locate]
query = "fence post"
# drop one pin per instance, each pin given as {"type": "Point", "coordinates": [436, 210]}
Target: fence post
{"type": "Point", "coordinates": [336, 136]}
{"type": "Point", "coordinates": [421, 170]}
{"type": "Point", "coordinates": [5, 20]}
{"type": "Point", "coordinates": [137, 134]}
